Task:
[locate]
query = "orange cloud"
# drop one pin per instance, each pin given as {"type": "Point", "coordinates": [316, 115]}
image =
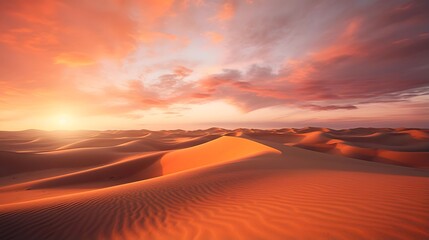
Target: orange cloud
{"type": "Point", "coordinates": [74, 59]}
{"type": "Point", "coordinates": [214, 37]}
{"type": "Point", "coordinates": [151, 37]}
{"type": "Point", "coordinates": [226, 12]}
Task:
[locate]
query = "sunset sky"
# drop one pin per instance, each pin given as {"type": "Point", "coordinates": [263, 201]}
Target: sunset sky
{"type": "Point", "coordinates": [164, 64]}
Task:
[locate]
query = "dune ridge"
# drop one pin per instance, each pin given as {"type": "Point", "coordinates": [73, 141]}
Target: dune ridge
{"type": "Point", "coordinates": [215, 184]}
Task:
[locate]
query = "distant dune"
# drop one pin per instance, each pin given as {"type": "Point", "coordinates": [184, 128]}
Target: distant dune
{"type": "Point", "coordinates": [310, 183]}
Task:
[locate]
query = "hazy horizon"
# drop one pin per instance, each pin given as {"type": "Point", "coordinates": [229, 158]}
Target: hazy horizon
{"type": "Point", "coordinates": [207, 128]}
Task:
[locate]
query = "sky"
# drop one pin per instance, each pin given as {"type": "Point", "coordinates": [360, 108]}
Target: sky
{"type": "Point", "coordinates": [190, 64]}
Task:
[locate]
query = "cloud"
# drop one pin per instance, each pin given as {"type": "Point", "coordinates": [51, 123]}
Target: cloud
{"type": "Point", "coordinates": [352, 69]}
{"type": "Point", "coordinates": [74, 59]}
{"type": "Point", "coordinates": [329, 107]}
{"type": "Point", "coordinates": [43, 46]}
{"type": "Point", "coordinates": [182, 71]}
{"type": "Point", "coordinates": [167, 82]}
{"type": "Point", "coordinates": [151, 37]}
{"type": "Point", "coordinates": [226, 11]}
{"type": "Point", "coordinates": [214, 37]}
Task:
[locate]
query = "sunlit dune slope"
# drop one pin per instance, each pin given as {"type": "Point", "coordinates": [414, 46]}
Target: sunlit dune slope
{"type": "Point", "coordinates": [205, 185]}
{"type": "Point", "coordinates": [217, 151]}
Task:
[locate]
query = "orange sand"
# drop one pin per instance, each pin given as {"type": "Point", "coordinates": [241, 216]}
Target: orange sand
{"type": "Point", "coordinates": [311, 183]}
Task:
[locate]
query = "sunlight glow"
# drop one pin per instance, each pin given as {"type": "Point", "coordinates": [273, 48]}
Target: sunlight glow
{"type": "Point", "coordinates": [64, 121]}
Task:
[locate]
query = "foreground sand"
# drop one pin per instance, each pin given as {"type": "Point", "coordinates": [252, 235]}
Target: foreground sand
{"type": "Point", "coordinates": [310, 183]}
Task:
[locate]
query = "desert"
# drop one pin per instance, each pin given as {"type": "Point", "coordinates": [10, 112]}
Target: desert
{"type": "Point", "coordinates": [308, 183]}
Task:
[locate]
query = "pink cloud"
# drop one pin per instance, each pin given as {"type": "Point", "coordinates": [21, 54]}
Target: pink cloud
{"type": "Point", "coordinates": [329, 107]}
{"type": "Point", "coordinates": [226, 11]}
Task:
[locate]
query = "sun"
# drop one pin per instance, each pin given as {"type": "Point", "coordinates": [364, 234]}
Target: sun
{"type": "Point", "coordinates": [64, 121]}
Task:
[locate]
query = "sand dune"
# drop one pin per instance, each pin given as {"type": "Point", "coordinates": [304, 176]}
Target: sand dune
{"type": "Point", "coordinates": [404, 147]}
{"type": "Point", "coordinates": [311, 183]}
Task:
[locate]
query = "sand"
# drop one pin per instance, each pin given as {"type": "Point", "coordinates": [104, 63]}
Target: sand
{"type": "Point", "coordinates": [311, 183]}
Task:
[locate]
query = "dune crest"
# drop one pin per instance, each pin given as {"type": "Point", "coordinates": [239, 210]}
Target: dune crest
{"type": "Point", "coordinates": [217, 151]}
